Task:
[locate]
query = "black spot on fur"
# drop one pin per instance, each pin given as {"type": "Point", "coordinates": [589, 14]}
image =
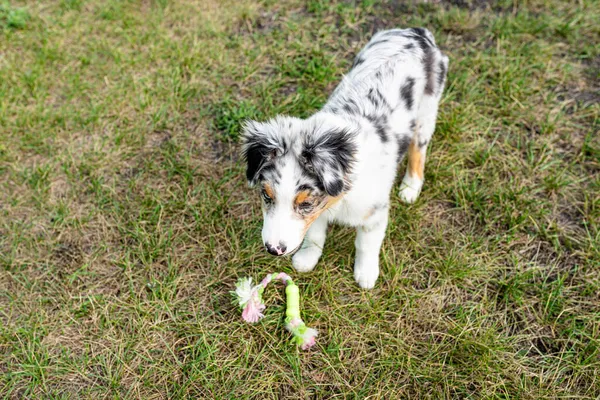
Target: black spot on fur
{"type": "Point", "coordinates": [413, 125]}
{"type": "Point", "coordinates": [304, 187]}
{"type": "Point", "coordinates": [423, 143]}
{"type": "Point", "coordinates": [419, 31]}
{"type": "Point", "coordinates": [372, 118]}
{"type": "Point", "coordinates": [376, 43]}
{"type": "Point", "coordinates": [335, 188]}
{"type": "Point", "coordinates": [357, 62]}
{"type": "Point", "coordinates": [329, 156]}
{"type": "Point", "coordinates": [409, 46]}
{"type": "Point", "coordinates": [315, 181]}
{"type": "Point", "coordinates": [256, 155]}
{"type": "Point", "coordinates": [403, 143]}
{"type": "Point", "coordinates": [260, 152]}
{"type": "Point", "coordinates": [372, 98]}
{"type": "Point", "coordinates": [380, 125]}
{"type": "Point", "coordinates": [270, 172]}
{"type": "Point", "coordinates": [383, 100]}
{"type": "Point", "coordinates": [423, 44]}
{"type": "Point", "coordinates": [380, 206]}
{"type": "Point", "coordinates": [380, 129]}
{"type": "Point", "coordinates": [270, 169]}
{"type": "Point", "coordinates": [441, 78]}
{"type": "Point", "coordinates": [351, 107]}
{"type": "Point", "coordinates": [406, 92]}
{"type": "Point", "coordinates": [378, 75]}
{"type": "Point", "coordinates": [333, 146]}
{"type": "Point", "coordinates": [420, 35]}
{"type": "Point", "coordinates": [428, 61]}
{"type": "Point", "coordinates": [376, 97]}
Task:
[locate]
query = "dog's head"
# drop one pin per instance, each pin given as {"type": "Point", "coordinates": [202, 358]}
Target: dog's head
{"type": "Point", "coordinates": [302, 168]}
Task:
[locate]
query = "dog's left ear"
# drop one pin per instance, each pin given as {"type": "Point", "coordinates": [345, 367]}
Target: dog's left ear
{"type": "Point", "coordinates": [330, 156]}
{"type": "Point", "coordinates": [259, 148]}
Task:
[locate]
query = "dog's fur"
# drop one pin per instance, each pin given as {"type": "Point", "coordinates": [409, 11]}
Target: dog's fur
{"type": "Point", "coordinates": [339, 165]}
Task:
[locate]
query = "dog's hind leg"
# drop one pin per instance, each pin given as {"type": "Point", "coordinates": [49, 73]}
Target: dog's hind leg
{"type": "Point", "coordinates": [423, 128]}
{"type": "Point", "coordinates": [307, 257]}
{"type": "Point", "coordinates": [415, 171]}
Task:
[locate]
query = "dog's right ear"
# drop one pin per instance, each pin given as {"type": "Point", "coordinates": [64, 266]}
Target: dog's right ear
{"type": "Point", "coordinates": [260, 146]}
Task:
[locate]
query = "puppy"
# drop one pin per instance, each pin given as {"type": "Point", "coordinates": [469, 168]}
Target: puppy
{"type": "Point", "coordinates": [340, 164]}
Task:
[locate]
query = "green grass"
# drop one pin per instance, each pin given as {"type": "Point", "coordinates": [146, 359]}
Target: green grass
{"type": "Point", "coordinates": [125, 219]}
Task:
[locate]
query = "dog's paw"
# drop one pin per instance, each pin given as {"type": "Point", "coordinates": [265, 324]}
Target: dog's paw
{"type": "Point", "coordinates": [366, 276]}
{"type": "Point", "coordinates": [410, 189]}
{"type": "Point", "coordinates": [305, 260]}
{"type": "Point", "coordinates": [408, 195]}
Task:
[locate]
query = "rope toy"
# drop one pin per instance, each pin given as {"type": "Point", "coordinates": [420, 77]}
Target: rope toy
{"type": "Point", "coordinates": [250, 301]}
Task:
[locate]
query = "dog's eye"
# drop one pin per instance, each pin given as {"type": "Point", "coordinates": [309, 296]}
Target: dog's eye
{"type": "Point", "coordinates": [305, 207]}
{"type": "Point", "coordinates": [266, 197]}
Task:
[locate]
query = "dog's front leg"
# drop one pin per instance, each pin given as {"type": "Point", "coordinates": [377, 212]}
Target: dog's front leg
{"type": "Point", "coordinates": [369, 238]}
{"type": "Point", "coordinates": [307, 257]}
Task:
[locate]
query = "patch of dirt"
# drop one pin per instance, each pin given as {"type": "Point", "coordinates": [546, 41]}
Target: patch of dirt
{"type": "Point", "coordinates": [224, 151]}
{"type": "Point", "coordinates": [158, 139]}
{"type": "Point", "coordinates": [67, 254]}
{"type": "Point", "coordinates": [545, 345]}
{"type": "Point", "coordinates": [543, 254]}
{"type": "Point", "coordinates": [571, 218]}
{"type": "Point", "coordinates": [129, 172]}
{"type": "Point", "coordinates": [66, 337]}
{"type": "Point", "coordinates": [578, 97]}
{"type": "Point", "coordinates": [264, 23]}
{"type": "Point", "coordinates": [288, 90]}
{"type": "Point", "coordinates": [591, 76]}
{"type": "Point", "coordinates": [582, 93]}
{"type": "Point", "coordinates": [59, 188]}
{"type": "Point", "coordinates": [446, 214]}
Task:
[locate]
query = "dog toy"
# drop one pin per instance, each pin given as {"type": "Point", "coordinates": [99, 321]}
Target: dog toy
{"type": "Point", "coordinates": [249, 298]}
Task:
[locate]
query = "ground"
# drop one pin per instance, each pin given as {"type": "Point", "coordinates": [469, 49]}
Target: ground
{"type": "Point", "coordinates": [125, 217]}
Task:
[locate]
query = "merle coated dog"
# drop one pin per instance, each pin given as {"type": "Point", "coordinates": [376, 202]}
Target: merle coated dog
{"type": "Point", "coordinates": [340, 164]}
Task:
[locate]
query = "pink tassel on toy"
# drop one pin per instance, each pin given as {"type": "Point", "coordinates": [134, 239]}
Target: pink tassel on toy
{"type": "Point", "coordinates": [249, 298]}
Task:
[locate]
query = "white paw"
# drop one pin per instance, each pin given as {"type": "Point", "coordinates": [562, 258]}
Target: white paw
{"type": "Point", "coordinates": [408, 194]}
{"type": "Point", "coordinates": [366, 276]}
{"type": "Point", "coordinates": [410, 189]}
{"type": "Point", "coordinates": [305, 260]}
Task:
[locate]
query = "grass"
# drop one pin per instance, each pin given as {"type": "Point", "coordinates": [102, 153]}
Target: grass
{"type": "Point", "coordinates": [125, 218]}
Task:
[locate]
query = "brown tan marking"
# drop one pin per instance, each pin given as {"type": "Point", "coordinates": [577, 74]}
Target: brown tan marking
{"type": "Point", "coordinates": [370, 213]}
{"type": "Point", "coordinates": [309, 219]}
{"type": "Point", "coordinates": [416, 161]}
{"type": "Point", "coordinates": [301, 197]}
{"type": "Point", "coordinates": [269, 190]}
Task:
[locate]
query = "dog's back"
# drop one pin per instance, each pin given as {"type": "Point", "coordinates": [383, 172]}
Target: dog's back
{"type": "Point", "coordinates": [395, 85]}
{"type": "Point", "coordinates": [392, 60]}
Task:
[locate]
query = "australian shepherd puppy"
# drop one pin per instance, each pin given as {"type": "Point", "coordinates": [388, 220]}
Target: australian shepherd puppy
{"type": "Point", "coordinates": [339, 165]}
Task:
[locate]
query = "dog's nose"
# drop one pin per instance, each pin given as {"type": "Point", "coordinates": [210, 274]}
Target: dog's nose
{"type": "Point", "coordinates": [276, 250]}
